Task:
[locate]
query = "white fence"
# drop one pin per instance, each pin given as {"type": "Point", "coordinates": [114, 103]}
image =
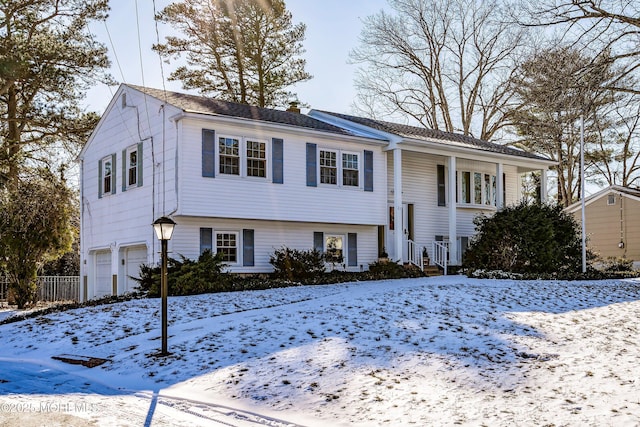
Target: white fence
{"type": "Point", "coordinates": [50, 288]}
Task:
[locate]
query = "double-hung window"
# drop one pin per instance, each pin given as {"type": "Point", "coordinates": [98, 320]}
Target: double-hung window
{"type": "Point", "coordinates": [106, 179]}
{"type": "Point", "coordinates": [227, 245]}
{"type": "Point", "coordinates": [256, 159]}
{"type": "Point", "coordinates": [328, 167]}
{"type": "Point", "coordinates": [132, 166]}
{"type": "Point", "coordinates": [242, 157]}
{"type": "Point", "coordinates": [350, 170]}
{"type": "Point", "coordinates": [339, 168]}
{"type": "Point", "coordinates": [229, 152]}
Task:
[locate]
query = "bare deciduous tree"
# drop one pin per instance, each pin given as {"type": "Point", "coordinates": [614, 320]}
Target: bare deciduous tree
{"type": "Point", "coordinates": [444, 63]}
{"type": "Point", "coordinates": [600, 25]}
{"type": "Point", "coordinates": [555, 88]}
{"type": "Point", "coordinates": [617, 158]}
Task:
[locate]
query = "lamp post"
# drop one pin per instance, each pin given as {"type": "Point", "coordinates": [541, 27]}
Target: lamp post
{"type": "Point", "coordinates": [163, 227]}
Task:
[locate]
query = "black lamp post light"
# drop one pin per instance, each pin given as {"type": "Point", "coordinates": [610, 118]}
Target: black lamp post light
{"type": "Point", "coordinates": [163, 227]}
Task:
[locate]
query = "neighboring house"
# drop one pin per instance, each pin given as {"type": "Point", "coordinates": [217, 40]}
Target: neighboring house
{"type": "Point", "coordinates": [612, 219]}
{"type": "Point", "coordinates": [246, 181]}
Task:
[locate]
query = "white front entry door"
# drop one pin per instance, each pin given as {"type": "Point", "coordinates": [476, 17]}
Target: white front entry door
{"type": "Point", "coordinates": [394, 226]}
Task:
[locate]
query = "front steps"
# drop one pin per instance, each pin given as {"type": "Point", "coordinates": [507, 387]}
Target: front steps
{"type": "Point", "coordinates": [431, 270]}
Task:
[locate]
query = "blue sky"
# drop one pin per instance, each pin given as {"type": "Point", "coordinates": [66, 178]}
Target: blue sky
{"type": "Point", "coordinates": [333, 29]}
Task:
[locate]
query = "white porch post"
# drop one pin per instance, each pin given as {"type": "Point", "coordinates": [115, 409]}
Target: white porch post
{"type": "Point", "coordinates": [543, 186]}
{"type": "Point", "coordinates": [453, 227]}
{"type": "Point", "coordinates": [499, 186]}
{"type": "Point", "coordinates": [397, 203]}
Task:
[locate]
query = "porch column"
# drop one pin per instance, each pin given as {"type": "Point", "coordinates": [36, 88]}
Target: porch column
{"type": "Point", "coordinates": [397, 204]}
{"type": "Point", "coordinates": [499, 186]}
{"type": "Point", "coordinates": [453, 226]}
{"type": "Point", "coordinates": [543, 185]}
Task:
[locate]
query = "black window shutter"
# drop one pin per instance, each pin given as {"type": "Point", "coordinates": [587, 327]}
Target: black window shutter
{"type": "Point", "coordinates": [100, 179]}
{"type": "Point", "coordinates": [140, 164]}
{"type": "Point", "coordinates": [208, 153]}
{"type": "Point", "coordinates": [206, 239]}
{"type": "Point", "coordinates": [368, 170]}
{"type": "Point", "coordinates": [318, 241]}
{"type": "Point", "coordinates": [113, 173]}
{"type": "Point", "coordinates": [352, 248]}
{"type": "Point", "coordinates": [125, 162]}
{"type": "Point", "coordinates": [247, 248]}
{"type": "Point", "coordinates": [277, 155]}
{"type": "Point", "coordinates": [442, 194]}
{"type": "Point", "coordinates": [312, 169]}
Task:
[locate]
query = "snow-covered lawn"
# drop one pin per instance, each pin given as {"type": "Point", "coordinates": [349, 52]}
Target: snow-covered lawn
{"type": "Point", "coordinates": [423, 352]}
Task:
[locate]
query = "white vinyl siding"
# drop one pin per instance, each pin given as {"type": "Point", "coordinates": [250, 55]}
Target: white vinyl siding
{"type": "Point", "coordinates": [270, 236]}
{"type": "Point", "coordinates": [223, 196]}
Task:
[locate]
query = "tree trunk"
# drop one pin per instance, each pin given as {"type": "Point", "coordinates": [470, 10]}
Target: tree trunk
{"type": "Point", "coordinates": [13, 135]}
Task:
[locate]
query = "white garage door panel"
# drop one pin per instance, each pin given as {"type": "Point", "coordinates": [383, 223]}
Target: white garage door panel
{"type": "Point", "coordinates": [103, 274]}
{"type": "Point", "coordinates": [135, 257]}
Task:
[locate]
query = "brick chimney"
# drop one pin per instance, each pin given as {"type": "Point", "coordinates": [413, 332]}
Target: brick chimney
{"type": "Point", "coordinates": [293, 107]}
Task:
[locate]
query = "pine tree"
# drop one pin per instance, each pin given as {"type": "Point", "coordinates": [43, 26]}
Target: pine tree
{"type": "Point", "coordinates": [246, 51]}
{"type": "Point", "coordinates": [47, 61]}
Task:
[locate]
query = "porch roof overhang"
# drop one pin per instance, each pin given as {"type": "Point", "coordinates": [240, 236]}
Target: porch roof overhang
{"type": "Point", "coordinates": [438, 148]}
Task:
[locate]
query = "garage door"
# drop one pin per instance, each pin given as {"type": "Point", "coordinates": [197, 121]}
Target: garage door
{"type": "Point", "coordinates": [103, 285]}
{"type": "Point", "coordinates": [135, 256]}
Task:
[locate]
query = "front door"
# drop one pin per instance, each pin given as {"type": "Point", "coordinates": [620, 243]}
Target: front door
{"type": "Point", "coordinates": [404, 226]}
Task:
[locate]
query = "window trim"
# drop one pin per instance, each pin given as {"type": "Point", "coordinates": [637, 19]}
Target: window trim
{"type": "Point", "coordinates": [129, 150]}
{"type": "Point", "coordinates": [343, 249]}
{"type": "Point", "coordinates": [103, 162]}
{"type": "Point", "coordinates": [243, 159]}
{"type": "Point", "coordinates": [486, 189]}
{"type": "Point", "coordinates": [219, 155]}
{"type": "Point", "coordinates": [336, 167]}
{"type": "Point", "coordinates": [247, 158]}
{"type": "Point", "coordinates": [238, 246]}
{"type": "Point", "coordinates": [340, 168]}
{"type": "Point", "coordinates": [358, 168]}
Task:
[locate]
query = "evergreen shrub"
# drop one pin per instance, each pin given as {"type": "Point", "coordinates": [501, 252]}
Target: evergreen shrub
{"type": "Point", "coordinates": [297, 265]}
{"type": "Point", "coordinates": [527, 239]}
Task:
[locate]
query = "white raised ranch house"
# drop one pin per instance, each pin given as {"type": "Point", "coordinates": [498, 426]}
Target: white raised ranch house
{"type": "Point", "coordinates": [246, 181]}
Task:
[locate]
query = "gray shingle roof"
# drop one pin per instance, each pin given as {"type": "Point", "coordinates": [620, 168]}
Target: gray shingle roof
{"type": "Point", "coordinates": [447, 138]}
{"type": "Point", "coordinates": [204, 105]}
